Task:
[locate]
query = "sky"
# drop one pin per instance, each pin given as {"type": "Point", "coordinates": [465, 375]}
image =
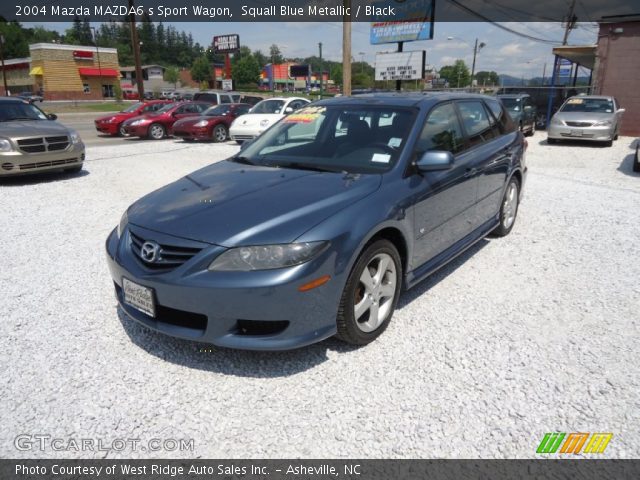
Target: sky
{"type": "Point", "coordinates": [504, 52]}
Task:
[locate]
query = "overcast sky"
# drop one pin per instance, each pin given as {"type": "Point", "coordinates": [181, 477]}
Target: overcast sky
{"type": "Point", "coordinates": [504, 51]}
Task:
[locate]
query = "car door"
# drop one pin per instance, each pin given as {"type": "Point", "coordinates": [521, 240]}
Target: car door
{"type": "Point", "coordinates": [492, 152]}
{"type": "Point", "coordinates": [444, 201]}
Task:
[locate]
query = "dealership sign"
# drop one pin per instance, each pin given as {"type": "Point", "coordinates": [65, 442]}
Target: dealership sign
{"type": "Point", "coordinates": [412, 20]}
{"type": "Point", "coordinates": [226, 43]}
{"type": "Point", "coordinates": [400, 66]}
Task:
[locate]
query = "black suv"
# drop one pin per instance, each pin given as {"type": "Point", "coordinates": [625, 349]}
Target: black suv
{"type": "Point", "coordinates": [522, 109]}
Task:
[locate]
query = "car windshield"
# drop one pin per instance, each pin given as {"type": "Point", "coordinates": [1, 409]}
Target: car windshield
{"type": "Point", "coordinates": [216, 111]}
{"type": "Point", "coordinates": [588, 105]}
{"type": "Point", "coordinates": [357, 139]}
{"type": "Point", "coordinates": [513, 104]}
{"type": "Point", "coordinates": [268, 106]}
{"type": "Point", "coordinates": [20, 111]}
{"type": "Point", "coordinates": [132, 108]}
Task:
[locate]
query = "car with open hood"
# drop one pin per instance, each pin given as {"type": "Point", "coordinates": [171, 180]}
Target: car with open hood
{"type": "Point", "coordinates": [32, 141]}
{"type": "Point", "coordinates": [113, 124]}
{"type": "Point", "coordinates": [263, 115]}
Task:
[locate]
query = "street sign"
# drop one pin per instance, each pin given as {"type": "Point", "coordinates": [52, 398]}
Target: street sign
{"type": "Point", "coordinates": [412, 20]}
{"type": "Point", "coordinates": [227, 84]}
{"type": "Point", "coordinates": [400, 65]}
{"type": "Point", "coordinates": [226, 43]}
{"type": "Point", "coordinates": [564, 68]}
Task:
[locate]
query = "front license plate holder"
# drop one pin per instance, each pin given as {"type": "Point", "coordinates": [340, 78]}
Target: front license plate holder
{"type": "Point", "coordinates": [576, 133]}
{"type": "Point", "coordinates": [139, 297]}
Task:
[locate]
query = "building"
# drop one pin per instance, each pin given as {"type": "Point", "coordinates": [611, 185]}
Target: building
{"type": "Point", "coordinates": [73, 72]}
{"type": "Point", "coordinates": [152, 78]}
{"type": "Point", "coordinates": [279, 76]}
{"type": "Point", "coordinates": [17, 74]}
{"type": "Point", "coordinates": [617, 67]}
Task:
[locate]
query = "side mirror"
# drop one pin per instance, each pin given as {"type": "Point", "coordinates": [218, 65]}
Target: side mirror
{"type": "Point", "coordinates": [52, 116]}
{"type": "Point", "coordinates": [621, 110]}
{"type": "Point", "coordinates": [435, 160]}
{"type": "Point", "coordinates": [288, 110]}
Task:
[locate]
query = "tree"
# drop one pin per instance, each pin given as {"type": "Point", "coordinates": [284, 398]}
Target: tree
{"type": "Point", "coordinates": [487, 78]}
{"type": "Point", "coordinates": [172, 75]}
{"type": "Point", "coordinates": [201, 69]}
{"type": "Point", "coordinates": [15, 43]}
{"type": "Point", "coordinates": [246, 71]}
{"type": "Point", "coordinates": [456, 75]}
{"type": "Point", "coordinates": [275, 54]}
{"type": "Point", "coordinates": [260, 58]}
{"type": "Point", "coordinates": [336, 73]}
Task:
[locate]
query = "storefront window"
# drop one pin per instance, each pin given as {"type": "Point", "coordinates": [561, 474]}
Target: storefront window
{"type": "Point", "coordinates": [107, 91]}
{"type": "Point", "coordinates": [86, 88]}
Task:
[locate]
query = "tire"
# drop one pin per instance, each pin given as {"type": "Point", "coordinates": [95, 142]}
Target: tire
{"type": "Point", "coordinates": [532, 130]}
{"type": "Point", "coordinates": [220, 133]}
{"type": "Point", "coordinates": [551, 141]}
{"type": "Point", "coordinates": [508, 209]}
{"type": "Point", "coordinates": [121, 130]}
{"type": "Point", "coordinates": [377, 298]}
{"type": "Point", "coordinates": [636, 161]}
{"type": "Point", "coordinates": [156, 131]}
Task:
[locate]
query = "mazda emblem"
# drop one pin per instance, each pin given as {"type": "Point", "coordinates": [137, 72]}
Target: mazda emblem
{"type": "Point", "coordinates": [150, 252]}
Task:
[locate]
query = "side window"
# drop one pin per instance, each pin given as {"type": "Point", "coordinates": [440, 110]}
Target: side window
{"type": "Point", "coordinates": [242, 110]}
{"type": "Point", "coordinates": [496, 130]}
{"type": "Point", "coordinates": [441, 131]}
{"type": "Point", "coordinates": [200, 107]}
{"type": "Point", "coordinates": [225, 99]}
{"type": "Point", "coordinates": [181, 109]}
{"type": "Point", "coordinates": [475, 122]}
{"type": "Point", "coordinates": [504, 120]}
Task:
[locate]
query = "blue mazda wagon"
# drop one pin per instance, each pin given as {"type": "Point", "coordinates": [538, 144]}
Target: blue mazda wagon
{"type": "Point", "coordinates": [315, 228]}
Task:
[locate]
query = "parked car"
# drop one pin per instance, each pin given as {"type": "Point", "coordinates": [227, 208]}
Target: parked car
{"type": "Point", "coordinates": [586, 117]}
{"type": "Point", "coordinates": [213, 124]}
{"type": "Point", "coordinates": [113, 124]}
{"type": "Point", "coordinates": [33, 142]}
{"type": "Point", "coordinates": [157, 125]}
{"type": "Point", "coordinates": [315, 227]}
{"type": "Point", "coordinates": [522, 110]}
{"type": "Point", "coordinates": [250, 99]}
{"type": "Point", "coordinates": [149, 96]}
{"type": "Point", "coordinates": [262, 116]}
{"type": "Point", "coordinates": [130, 95]}
{"type": "Point", "coordinates": [187, 97]}
{"type": "Point", "coordinates": [214, 97]}
{"type": "Point", "coordinates": [30, 97]}
{"type": "Point", "coordinates": [175, 96]}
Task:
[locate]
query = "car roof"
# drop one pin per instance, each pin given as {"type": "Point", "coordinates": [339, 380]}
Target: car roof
{"type": "Point", "coordinates": [12, 100]}
{"type": "Point", "coordinates": [402, 99]}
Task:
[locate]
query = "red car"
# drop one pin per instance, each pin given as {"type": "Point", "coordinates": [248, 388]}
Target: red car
{"type": "Point", "coordinates": [213, 124]}
{"type": "Point", "coordinates": [112, 124]}
{"type": "Point", "coordinates": [158, 124]}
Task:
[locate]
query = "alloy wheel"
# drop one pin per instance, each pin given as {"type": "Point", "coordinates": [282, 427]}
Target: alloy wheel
{"type": "Point", "coordinates": [510, 206]}
{"type": "Point", "coordinates": [375, 294]}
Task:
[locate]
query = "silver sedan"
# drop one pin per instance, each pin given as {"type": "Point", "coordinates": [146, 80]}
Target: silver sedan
{"type": "Point", "coordinates": [586, 117]}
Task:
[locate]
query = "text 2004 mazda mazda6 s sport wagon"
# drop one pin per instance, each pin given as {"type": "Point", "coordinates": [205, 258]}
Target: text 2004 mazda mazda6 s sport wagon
{"type": "Point", "coordinates": [314, 228]}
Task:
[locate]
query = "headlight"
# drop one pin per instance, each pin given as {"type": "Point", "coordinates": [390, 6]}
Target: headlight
{"type": "Point", "coordinates": [266, 257]}
{"type": "Point", "coordinates": [555, 121]}
{"type": "Point", "coordinates": [201, 123]}
{"type": "Point", "coordinates": [123, 223]}
{"type": "Point", "coordinates": [136, 123]}
{"type": "Point", "coordinates": [603, 123]}
{"type": "Point", "coordinates": [264, 123]}
{"type": "Point", "coordinates": [5, 145]}
{"type": "Point", "coordinates": [75, 137]}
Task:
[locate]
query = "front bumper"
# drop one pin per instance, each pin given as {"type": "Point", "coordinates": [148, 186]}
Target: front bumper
{"type": "Point", "coordinates": [194, 133]}
{"type": "Point", "coordinates": [20, 163]}
{"type": "Point", "coordinates": [595, 134]}
{"type": "Point", "coordinates": [108, 128]}
{"type": "Point", "coordinates": [213, 307]}
{"type": "Point", "coordinates": [245, 133]}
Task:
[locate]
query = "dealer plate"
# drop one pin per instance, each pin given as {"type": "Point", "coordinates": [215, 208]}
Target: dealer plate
{"type": "Point", "coordinates": [139, 297]}
{"type": "Point", "coordinates": [576, 133]}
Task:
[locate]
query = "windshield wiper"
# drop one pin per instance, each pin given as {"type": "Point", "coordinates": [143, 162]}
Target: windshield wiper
{"type": "Point", "coordinates": [241, 159]}
{"type": "Point", "coordinates": [302, 166]}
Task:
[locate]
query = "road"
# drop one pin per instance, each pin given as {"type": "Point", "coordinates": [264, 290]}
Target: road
{"type": "Point", "coordinates": [83, 123]}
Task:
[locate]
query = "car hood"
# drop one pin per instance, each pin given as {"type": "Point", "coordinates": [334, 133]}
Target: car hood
{"type": "Point", "coordinates": [137, 117]}
{"type": "Point", "coordinates": [254, 119]}
{"type": "Point", "coordinates": [117, 115]}
{"type": "Point", "coordinates": [583, 116]}
{"type": "Point", "coordinates": [32, 128]}
{"type": "Point", "coordinates": [230, 204]}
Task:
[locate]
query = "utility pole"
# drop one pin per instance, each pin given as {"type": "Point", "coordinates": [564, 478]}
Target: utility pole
{"type": "Point", "coordinates": [4, 73]}
{"type": "Point", "coordinates": [95, 41]}
{"type": "Point", "coordinates": [321, 73]}
{"type": "Point", "coordinates": [571, 22]}
{"type": "Point", "coordinates": [346, 48]}
{"type": "Point", "coordinates": [399, 82]}
{"type": "Point", "coordinates": [136, 50]}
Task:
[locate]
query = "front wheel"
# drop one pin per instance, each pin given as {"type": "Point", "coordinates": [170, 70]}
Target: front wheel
{"type": "Point", "coordinates": [532, 130]}
{"type": "Point", "coordinates": [156, 131]}
{"type": "Point", "coordinates": [509, 209]}
{"type": "Point", "coordinates": [371, 294]}
{"type": "Point", "coordinates": [121, 130]}
{"type": "Point", "coordinates": [219, 133]}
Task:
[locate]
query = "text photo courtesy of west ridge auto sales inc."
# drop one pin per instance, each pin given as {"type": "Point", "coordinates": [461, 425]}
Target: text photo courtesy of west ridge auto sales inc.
{"type": "Point", "coordinates": [350, 238]}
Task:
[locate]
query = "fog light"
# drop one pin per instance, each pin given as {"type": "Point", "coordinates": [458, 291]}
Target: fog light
{"type": "Point", "coordinates": [318, 282]}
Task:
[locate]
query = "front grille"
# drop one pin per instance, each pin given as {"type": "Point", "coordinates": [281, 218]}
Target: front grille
{"type": "Point", "coordinates": [579, 124]}
{"type": "Point", "coordinates": [53, 163]}
{"type": "Point", "coordinates": [43, 144]}
{"type": "Point", "coordinates": [243, 137]}
{"type": "Point", "coordinates": [577, 137]}
{"type": "Point", "coordinates": [169, 256]}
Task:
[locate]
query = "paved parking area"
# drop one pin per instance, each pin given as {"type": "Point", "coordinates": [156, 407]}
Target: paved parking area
{"type": "Point", "coordinates": [533, 333]}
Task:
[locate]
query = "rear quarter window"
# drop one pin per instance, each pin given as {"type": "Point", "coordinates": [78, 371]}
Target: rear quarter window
{"type": "Point", "coordinates": [498, 112]}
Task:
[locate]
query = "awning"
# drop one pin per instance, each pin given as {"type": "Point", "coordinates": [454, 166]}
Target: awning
{"type": "Point", "coordinates": [36, 71]}
{"type": "Point", "coordinates": [98, 72]}
{"type": "Point", "coordinates": [583, 55]}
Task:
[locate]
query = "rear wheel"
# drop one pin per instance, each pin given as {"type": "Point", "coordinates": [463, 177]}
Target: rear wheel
{"type": "Point", "coordinates": [156, 131]}
{"type": "Point", "coordinates": [509, 209]}
{"type": "Point", "coordinates": [219, 133]}
{"type": "Point", "coordinates": [371, 294]}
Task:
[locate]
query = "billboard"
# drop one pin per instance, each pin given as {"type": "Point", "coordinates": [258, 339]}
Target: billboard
{"type": "Point", "coordinates": [413, 20]}
{"type": "Point", "coordinates": [400, 65]}
{"type": "Point", "coordinates": [226, 43]}
{"type": "Point", "coordinates": [299, 71]}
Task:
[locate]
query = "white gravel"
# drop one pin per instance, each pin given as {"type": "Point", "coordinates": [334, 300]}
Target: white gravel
{"type": "Point", "coordinates": [533, 333]}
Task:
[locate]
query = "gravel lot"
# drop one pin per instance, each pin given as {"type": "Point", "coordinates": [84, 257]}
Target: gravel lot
{"type": "Point", "coordinates": [533, 333]}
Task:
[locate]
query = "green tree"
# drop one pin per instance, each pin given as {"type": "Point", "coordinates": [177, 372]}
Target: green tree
{"type": "Point", "coordinates": [172, 75]}
{"type": "Point", "coordinates": [15, 42]}
{"type": "Point", "coordinates": [261, 58]}
{"type": "Point", "coordinates": [117, 91]}
{"type": "Point", "coordinates": [487, 78]}
{"type": "Point", "coordinates": [456, 75]}
{"type": "Point", "coordinates": [275, 55]}
{"type": "Point", "coordinates": [246, 71]}
{"type": "Point", "coordinates": [336, 73]}
{"type": "Point", "coordinates": [201, 69]}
